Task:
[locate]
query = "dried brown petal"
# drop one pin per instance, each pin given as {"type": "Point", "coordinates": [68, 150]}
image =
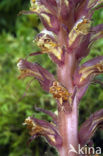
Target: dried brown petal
{"type": "Point", "coordinates": [59, 92]}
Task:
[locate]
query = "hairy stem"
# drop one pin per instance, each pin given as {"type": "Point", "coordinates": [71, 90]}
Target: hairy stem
{"type": "Point", "coordinates": [68, 127]}
{"type": "Point", "coordinates": [66, 71]}
{"type": "Point", "coordinates": [68, 121]}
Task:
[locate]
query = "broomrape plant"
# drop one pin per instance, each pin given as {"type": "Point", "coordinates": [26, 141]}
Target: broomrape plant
{"type": "Point", "coordinates": [67, 39]}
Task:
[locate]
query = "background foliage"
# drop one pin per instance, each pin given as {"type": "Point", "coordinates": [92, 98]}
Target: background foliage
{"type": "Point", "coordinates": [16, 101]}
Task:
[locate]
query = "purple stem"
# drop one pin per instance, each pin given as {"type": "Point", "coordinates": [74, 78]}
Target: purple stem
{"type": "Point", "coordinates": [68, 121]}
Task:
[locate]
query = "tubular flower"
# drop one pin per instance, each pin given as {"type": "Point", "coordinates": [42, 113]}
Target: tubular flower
{"type": "Point", "coordinates": [40, 6]}
{"type": "Point", "coordinates": [81, 28]}
{"type": "Point", "coordinates": [29, 69]}
{"type": "Point", "coordinates": [47, 12]}
{"type": "Point", "coordinates": [48, 44]}
{"type": "Point", "coordinates": [88, 40]}
{"type": "Point", "coordinates": [38, 127]}
{"type": "Point", "coordinates": [88, 71]}
{"type": "Point", "coordinates": [90, 126]}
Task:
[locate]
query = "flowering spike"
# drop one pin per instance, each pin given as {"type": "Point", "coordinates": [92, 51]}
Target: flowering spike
{"type": "Point", "coordinates": [89, 127]}
{"type": "Point", "coordinates": [43, 128]}
{"type": "Point", "coordinates": [67, 38]}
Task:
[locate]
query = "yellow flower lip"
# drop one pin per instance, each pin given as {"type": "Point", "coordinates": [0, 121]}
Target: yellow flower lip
{"type": "Point", "coordinates": [82, 27]}
{"type": "Point", "coordinates": [45, 43]}
{"type": "Point", "coordinates": [48, 44]}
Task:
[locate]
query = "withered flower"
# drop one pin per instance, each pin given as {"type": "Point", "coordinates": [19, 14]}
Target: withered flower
{"type": "Point", "coordinates": [38, 127]}
{"type": "Point", "coordinates": [59, 92]}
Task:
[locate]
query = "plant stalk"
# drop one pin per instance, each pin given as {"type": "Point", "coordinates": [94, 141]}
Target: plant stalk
{"type": "Point", "coordinates": [68, 121]}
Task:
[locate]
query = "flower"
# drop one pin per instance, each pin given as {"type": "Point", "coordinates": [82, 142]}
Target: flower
{"type": "Point", "coordinates": [38, 127]}
{"type": "Point", "coordinates": [81, 28]}
{"type": "Point", "coordinates": [47, 42]}
{"type": "Point", "coordinates": [87, 71]}
{"type": "Point", "coordinates": [39, 6]}
{"type": "Point", "coordinates": [47, 12]}
{"type": "Point", "coordinates": [29, 69]}
{"type": "Point", "coordinates": [89, 127]}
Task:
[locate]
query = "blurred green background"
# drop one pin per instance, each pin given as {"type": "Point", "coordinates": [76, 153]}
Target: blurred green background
{"type": "Point", "coordinates": [16, 36]}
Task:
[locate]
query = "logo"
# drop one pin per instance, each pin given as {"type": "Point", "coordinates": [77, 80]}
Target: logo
{"type": "Point", "coordinates": [85, 150]}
